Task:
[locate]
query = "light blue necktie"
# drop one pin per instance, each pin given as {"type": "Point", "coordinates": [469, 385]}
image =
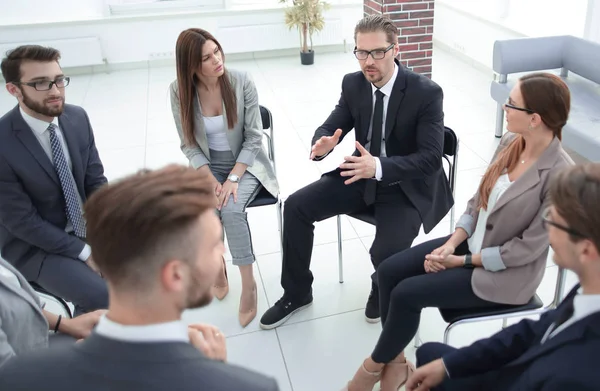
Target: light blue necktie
{"type": "Point", "coordinates": [72, 205]}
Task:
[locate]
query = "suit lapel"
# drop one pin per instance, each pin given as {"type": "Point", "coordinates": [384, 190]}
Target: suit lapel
{"type": "Point", "coordinates": [68, 130]}
{"type": "Point", "coordinates": [25, 134]}
{"type": "Point", "coordinates": [199, 122]}
{"type": "Point", "coordinates": [395, 100]}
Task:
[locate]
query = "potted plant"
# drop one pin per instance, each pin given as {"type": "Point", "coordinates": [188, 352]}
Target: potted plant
{"type": "Point", "coordinates": [307, 17]}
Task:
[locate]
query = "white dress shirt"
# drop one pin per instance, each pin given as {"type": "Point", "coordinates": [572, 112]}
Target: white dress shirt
{"type": "Point", "coordinates": [40, 130]}
{"type": "Point", "coordinates": [9, 277]}
{"type": "Point", "coordinates": [387, 91]}
{"type": "Point", "coordinates": [175, 331]}
{"type": "Point", "coordinates": [583, 306]}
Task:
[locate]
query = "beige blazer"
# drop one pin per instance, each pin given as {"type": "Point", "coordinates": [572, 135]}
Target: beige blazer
{"type": "Point", "coordinates": [245, 139]}
{"type": "Point", "coordinates": [515, 245]}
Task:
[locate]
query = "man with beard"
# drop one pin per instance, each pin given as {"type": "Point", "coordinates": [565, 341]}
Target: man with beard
{"type": "Point", "coordinates": [49, 166]}
{"type": "Point", "coordinates": [158, 242]}
{"type": "Point", "coordinates": [395, 172]}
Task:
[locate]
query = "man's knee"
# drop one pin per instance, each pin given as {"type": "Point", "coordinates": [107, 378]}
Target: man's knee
{"type": "Point", "coordinates": [430, 351]}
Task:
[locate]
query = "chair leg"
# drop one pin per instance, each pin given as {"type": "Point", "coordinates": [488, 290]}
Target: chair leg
{"type": "Point", "coordinates": [280, 223]}
{"type": "Point", "coordinates": [452, 220]}
{"type": "Point", "coordinates": [499, 120]}
{"type": "Point", "coordinates": [340, 259]}
{"type": "Point", "coordinates": [504, 323]}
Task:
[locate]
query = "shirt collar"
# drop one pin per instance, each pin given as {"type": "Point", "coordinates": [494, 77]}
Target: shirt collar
{"type": "Point", "coordinates": [387, 88]}
{"type": "Point", "coordinates": [175, 331]}
{"type": "Point", "coordinates": [584, 305]}
{"type": "Point", "coordinates": [37, 125]}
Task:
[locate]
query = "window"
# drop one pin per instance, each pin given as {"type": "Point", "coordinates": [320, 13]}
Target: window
{"type": "Point", "coordinates": [137, 7]}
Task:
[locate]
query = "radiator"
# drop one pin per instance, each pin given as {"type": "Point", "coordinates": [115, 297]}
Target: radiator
{"type": "Point", "coordinates": [75, 52]}
{"type": "Point", "coordinates": [275, 36]}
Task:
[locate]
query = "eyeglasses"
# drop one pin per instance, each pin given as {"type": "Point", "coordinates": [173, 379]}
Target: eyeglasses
{"type": "Point", "coordinates": [377, 54]}
{"type": "Point", "coordinates": [510, 106]}
{"type": "Point", "coordinates": [45, 85]}
{"type": "Point", "coordinates": [548, 221]}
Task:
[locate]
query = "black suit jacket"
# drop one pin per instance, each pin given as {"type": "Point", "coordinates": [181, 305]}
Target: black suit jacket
{"type": "Point", "coordinates": [32, 205]}
{"type": "Point", "coordinates": [414, 137]}
{"type": "Point", "coordinates": [514, 359]}
{"type": "Point", "coordinates": [100, 364]}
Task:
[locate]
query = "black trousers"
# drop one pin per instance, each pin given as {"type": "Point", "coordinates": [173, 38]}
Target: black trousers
{"type": "Point", "coordinates": [405, 289]}
{"type": "Point", "coordinates": [75, 282]}
{"type": "Point", "coordinates": [398, 223]}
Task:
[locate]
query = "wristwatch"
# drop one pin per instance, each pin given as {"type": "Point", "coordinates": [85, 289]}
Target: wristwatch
{"type": "Point", "coordinates": [468, 262]}
{"type": "Point", "coordinates": [233, 178]}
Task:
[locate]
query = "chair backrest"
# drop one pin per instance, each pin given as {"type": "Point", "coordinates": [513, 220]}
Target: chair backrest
{"type": "Point", "coordinates": [450, 142]}
{"type": "Point", "coordinates": [267, 123]}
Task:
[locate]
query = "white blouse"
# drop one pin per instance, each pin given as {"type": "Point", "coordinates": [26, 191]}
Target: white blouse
{"type": "Point", "coordinates": [215, 133]}
{"type": "Point", "coordinates": [476, 240]}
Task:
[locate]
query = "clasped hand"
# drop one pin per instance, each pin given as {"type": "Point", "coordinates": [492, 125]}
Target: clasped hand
{"type": "Point", "coordinates": [442, 258]}
{"type": "Point", "coordinates": [223, 191]}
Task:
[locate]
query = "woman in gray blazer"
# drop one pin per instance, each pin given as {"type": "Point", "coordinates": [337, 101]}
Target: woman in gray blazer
{"type": "Point", "coordinates": [218, 119]}
{"type": "Point", "coordinates": [24, 324]}
{"type": "Point", "coordinates": [497, 254]}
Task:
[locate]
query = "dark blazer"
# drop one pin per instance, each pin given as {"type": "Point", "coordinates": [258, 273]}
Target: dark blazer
{"type": "Point", "coordinates": [414, 137]}
{"type": "Point", "coordinates": [32, 212]}
{"type": "Point", "coordinates": [99, 364]}
{"type": "Point", "coordinates": [515, 360]}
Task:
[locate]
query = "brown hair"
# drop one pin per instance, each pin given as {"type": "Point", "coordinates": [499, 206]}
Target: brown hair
{"type": "Point", "coordinates": [188, 57]}
{"type": "Point", "coordinates": [11, 64]}
{"type": "Point", "coordinates": [137, 224]}
{"type": "Point", "coordinates": [375, 23]}
{"type": "Point", "coordinates": [548, 96]}
{"type": "Point", "coordinates": [574, 193]}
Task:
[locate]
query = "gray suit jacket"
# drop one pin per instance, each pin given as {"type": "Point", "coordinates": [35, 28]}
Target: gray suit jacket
{"type": "Point", "coordinates": [515, 239]}
{"type": "Point", "coordinates": [23, 327]}
{"type": "Point", "coordinates": [245, 139]}
{"type": "Point", "coordinates": [100, 364]}
{"type": "Point", "coordinates": [32, 212]}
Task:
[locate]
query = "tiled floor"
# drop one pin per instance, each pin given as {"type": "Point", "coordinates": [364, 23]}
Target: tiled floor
{"type": "Point", "coordinates": [319, 349]}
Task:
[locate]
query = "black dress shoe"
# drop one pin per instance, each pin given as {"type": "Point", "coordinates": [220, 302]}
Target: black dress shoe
{"type": "Point", "coordinates": [372, 309]}
{"type": "Point", "coordinates": [283, 309]}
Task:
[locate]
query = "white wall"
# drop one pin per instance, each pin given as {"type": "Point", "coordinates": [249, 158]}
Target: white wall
{"type": "Point", "coordinates": [472, 26]}
{"type": "Point", "coordinates": [134, 39]}
{"type": "Point", "coordinates": [41, 11]}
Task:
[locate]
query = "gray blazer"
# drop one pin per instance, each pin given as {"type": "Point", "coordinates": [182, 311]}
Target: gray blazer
{"type": "Point", "coordinates": [23, 326]}
{"type": "Point", "coordinates": [245, 139]}
{"type": "Point", "coordinates": [515, 245]}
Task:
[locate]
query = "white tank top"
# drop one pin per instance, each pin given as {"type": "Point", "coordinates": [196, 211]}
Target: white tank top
{"type": "Point", "coordinates": [215, 133]}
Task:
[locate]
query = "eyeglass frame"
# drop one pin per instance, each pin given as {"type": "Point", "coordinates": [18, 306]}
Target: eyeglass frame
{"type": "Point", "coordinates": [546, 220]}
{"type": "Point", "coordinates": [370, 52]}
{"type": "Point", "coordinates": [511, 106]}
{"type": "Point", "coordinates": [52, 83]}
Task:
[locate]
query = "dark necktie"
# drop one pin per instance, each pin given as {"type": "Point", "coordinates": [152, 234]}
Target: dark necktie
{"type": "Point", "coordinates": [375, 147]}
{"type": "Point", "coordinates": [67, 183]}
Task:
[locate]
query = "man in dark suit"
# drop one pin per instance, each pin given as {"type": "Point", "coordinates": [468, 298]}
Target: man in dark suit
{"type": "Point", "coordinates": [558, 352]}
{"type": "Point", "coordinates": [396, 170]}
{"type": "Point", "coordinates": [157, 240]}
{"type": "Point", "coordinates": [49, 165]}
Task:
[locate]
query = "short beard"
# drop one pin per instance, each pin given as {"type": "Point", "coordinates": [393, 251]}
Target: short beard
{"type": "Point", "coordinates": [41, 108]}
{"type": "Point", "coordinates": [196, 299]}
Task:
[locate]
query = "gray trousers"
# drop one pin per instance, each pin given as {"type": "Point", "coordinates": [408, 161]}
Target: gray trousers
{"type": "Point", "coordinates": [233, 216]}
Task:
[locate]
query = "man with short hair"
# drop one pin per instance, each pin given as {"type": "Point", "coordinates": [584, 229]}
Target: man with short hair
{"type": "Point", "coordinates": [395, 172]}
{"type": "Point", "coordinates": [558, 352]}
{"type": "Point", "coordinates": [158, 243]}
{"type": "Point", "coordinates": [49, 166]}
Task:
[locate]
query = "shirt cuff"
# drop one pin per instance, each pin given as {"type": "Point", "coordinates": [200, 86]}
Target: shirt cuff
{"type": "Point", "coordinates": [466, 222]}
{"type": "Point", "coordinates": [198, 161]}
{"type": "Point", "coordinates": [491, 259]}
{"type": "Point", "coordinates": [378, 173]}
{"type": "Point", "coordinates": [85, 253]}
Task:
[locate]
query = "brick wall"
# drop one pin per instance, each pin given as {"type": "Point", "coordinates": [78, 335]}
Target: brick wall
{"type": "Point", "coordinates": [414, 19]}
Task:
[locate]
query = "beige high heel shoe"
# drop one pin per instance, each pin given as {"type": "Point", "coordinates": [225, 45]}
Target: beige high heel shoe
{"type": "Point", "coordinates": [396, 373]}
{"type": "Point", "coordinates": [245, 317]}
{"type": "Point", "coordinates": [221, 287]}
{"type": "Point", "coordinates": [363, 380]}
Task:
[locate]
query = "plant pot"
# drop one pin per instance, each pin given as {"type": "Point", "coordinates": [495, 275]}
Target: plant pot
{"type": "Point", "coordinates": [307, 58]}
